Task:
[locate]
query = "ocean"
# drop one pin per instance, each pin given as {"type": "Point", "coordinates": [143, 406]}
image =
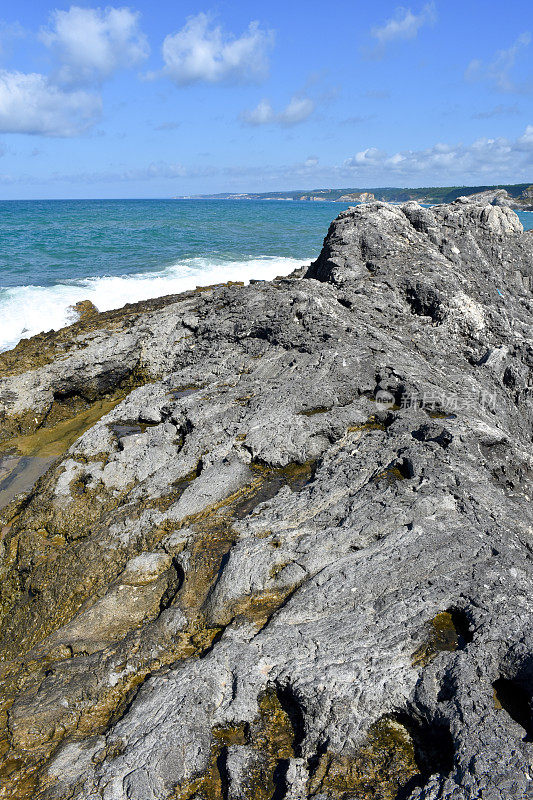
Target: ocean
{"type": "Point", "coordinates": [54, 253]}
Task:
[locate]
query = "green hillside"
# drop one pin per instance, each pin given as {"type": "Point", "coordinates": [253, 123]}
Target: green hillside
{"type": "Point", "coordinates": [429, 194]}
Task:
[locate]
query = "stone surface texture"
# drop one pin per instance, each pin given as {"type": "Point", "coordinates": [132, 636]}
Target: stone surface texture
{"type": "Point", "coordinates": [295, 557]}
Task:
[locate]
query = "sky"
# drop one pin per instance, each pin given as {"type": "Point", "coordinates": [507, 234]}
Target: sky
{"type": "Point", "coordinates": [158, 99]}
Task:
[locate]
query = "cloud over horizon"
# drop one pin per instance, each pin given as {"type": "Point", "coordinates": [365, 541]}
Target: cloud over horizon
{"type": "Point", "coordinates": [204, 53]}
{"type": "Point", "coordinates": [485, 156]}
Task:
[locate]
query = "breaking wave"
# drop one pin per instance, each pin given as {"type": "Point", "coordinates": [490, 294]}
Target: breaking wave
{"type": "Point", "coordinates": [27, 310]}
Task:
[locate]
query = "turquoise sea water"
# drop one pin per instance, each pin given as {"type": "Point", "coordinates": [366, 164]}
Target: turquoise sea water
{"type": "Point", "coordinates": [54, 253]}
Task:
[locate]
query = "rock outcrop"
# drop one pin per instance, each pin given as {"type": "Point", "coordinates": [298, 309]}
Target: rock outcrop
{"type": "Point", "coordinates": [501, 197]}
{"type": "Point", "coordinates": [361, 197]}
{"type": "Point", "coordinates": [281, 544]}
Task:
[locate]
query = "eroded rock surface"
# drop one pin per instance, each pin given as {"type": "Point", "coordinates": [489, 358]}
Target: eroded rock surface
{"type": "Point", "coordinates": [283, 545]}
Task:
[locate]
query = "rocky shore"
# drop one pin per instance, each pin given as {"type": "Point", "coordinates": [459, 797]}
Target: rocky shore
{"type": "Point", "coordinates": [273, 542]}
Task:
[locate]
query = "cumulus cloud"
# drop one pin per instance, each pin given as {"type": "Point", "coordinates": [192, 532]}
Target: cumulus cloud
{"type": "Point", "coordinates": [29, 103]}
{"type": "Point", "coordinates": [497, 72]}
{"type": "Point", "coordinates": [203, 52]}
{"type": "Point", "coordinates": [484, 158]}
{"type": "Point", "coordinates": [404, 25]}
{"type": "Point", "coordinates": [298, 109]}
{"type": "Point", "coordinates": [90, 44]}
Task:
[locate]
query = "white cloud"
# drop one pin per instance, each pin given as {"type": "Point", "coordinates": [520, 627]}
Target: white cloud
{"type": "Point", "coordinates": [526, 141]}
{"type": "Point", "coordinates": [485, 159]}
{"type": "Point", "coordinates": [29, 103]}
{"type": "Point", "coordinates": [498, 71]}
{"type": "Point", "coordinates": [405, 25]}
{"type": "Point", "coordinates": [202, 52]}
{"type": "Point", "coordinates": [90, 44]}
{"type": "Point", "coordinates": [369, 157]}
{"type": "Point", "coordinates": [297, 110]}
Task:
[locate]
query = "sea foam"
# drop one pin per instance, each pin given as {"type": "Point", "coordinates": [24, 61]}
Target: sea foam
{"type": "Point", "coordinates": [27, 310]}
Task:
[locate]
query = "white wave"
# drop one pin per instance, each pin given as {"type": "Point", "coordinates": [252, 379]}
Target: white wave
{"type": "Point", "coordinates": [27, 310]}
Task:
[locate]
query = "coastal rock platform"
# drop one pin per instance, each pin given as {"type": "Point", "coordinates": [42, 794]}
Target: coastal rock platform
{"type": "Point", "coordinates": [274, 542]}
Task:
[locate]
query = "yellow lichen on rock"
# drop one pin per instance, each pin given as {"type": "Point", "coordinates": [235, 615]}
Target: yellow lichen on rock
{"type": "Point", "coordinates": [384, 764]}
{"type": "Point", "coordinates": [372, 424]}
{"type": "Point", "coordinates": [269, 739]}
{"type": "Point", "coordinates": [71, 579]}
{"type": "Point", "coordinates": [442, 636]}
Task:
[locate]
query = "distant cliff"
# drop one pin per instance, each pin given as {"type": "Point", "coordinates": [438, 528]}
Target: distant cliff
{"type": "Point", "coordinates": [362, 197]}
{"type": "Point", "coordinates": [522, 193]}
{"type": "Point", "coordinates": [501, 197]}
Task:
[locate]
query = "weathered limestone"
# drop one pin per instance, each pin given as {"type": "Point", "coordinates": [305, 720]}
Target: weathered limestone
{"type": "Point", "coordinates": [283, 545]}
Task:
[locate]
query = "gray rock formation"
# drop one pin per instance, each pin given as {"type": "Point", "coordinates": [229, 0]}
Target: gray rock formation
{"type": "Point", "coordinates": [501, 197]}
{"type": "Point", "coordinates": [496, 197]}
{"type": "Point", "coordinates": [284, 549]}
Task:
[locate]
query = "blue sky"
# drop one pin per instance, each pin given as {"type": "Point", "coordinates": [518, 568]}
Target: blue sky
{"type": "Point", "coordinates": [160, 99]}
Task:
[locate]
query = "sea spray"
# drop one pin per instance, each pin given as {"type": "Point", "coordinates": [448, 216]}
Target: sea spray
{"type": "Point", "coordinates": [27, 310]}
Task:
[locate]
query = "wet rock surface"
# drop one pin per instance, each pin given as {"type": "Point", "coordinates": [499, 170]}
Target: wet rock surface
{"type": "Point", "coordinates": [283, 546]}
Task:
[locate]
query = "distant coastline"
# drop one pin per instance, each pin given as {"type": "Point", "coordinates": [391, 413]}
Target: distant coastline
{"type": "Point", "coordinates": [520, 194]}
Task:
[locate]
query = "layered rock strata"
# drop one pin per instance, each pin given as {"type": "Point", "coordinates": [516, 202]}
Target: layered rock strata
{"type": "Point", "coordinates": [274, 541]}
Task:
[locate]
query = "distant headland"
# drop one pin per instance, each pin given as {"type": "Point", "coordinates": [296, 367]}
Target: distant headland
{"type": "Point", "coordinates": [517, 195]}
